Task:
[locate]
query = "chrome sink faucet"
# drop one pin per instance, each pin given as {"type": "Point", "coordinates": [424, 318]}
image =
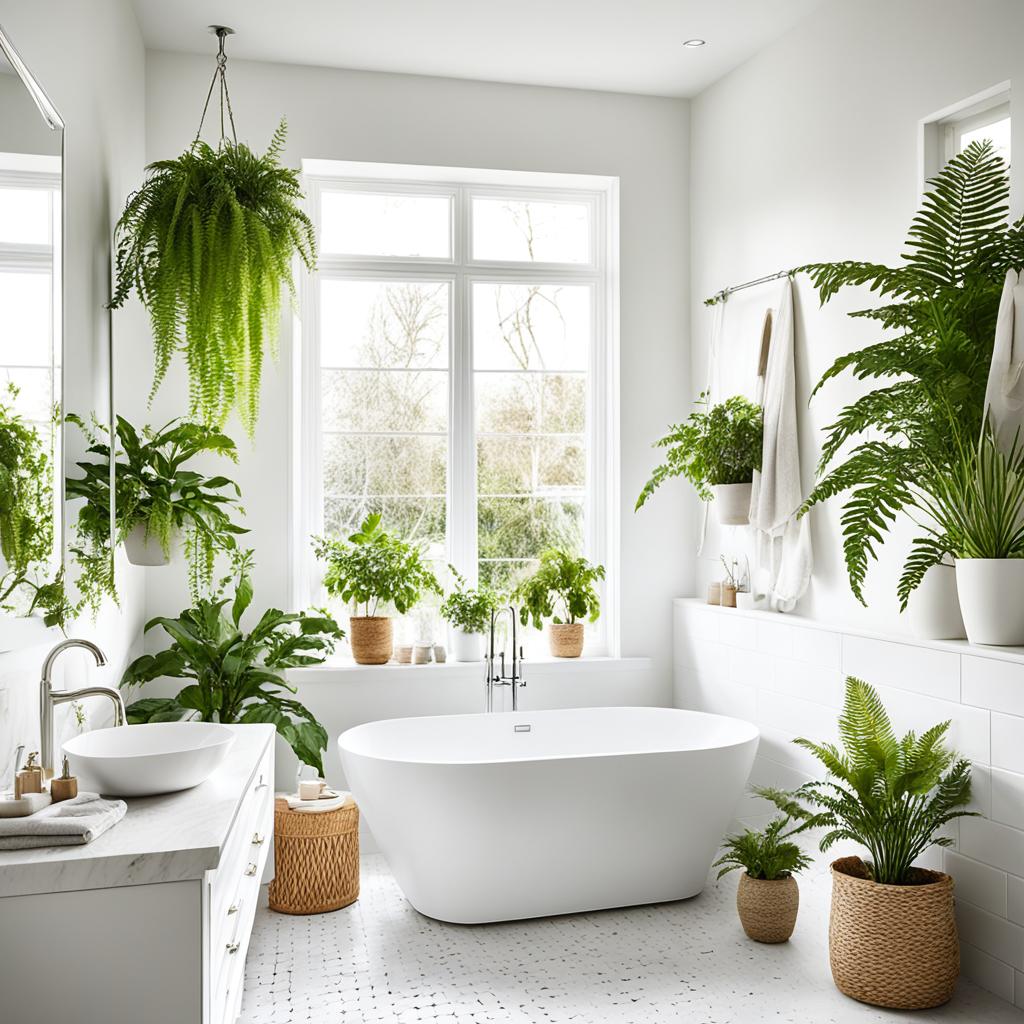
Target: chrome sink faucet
{"type": "Point", "coordinates": [48, 698]}
{"type": "Point", "coordinates": [497, 676]}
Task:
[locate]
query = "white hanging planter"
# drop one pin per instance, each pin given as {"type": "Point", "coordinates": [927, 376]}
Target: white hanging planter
{"type": "Point", "coordinates": [992, 599]}
{"type": "Point", "coordinates": [934, 608]}
{"type": "Point", "coordinates": [733, 503]}
{"type": "Point", "coordinates": [467, 646]}
{"type": "Point", "coordinates": [142, 549]}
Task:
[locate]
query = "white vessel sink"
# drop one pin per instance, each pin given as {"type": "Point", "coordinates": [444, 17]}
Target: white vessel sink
{"type": "Point", "coordinates": [143, 760]}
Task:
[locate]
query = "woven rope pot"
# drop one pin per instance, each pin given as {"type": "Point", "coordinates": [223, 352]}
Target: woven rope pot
{"type": "Point", "coordinates": [370, 637]}
{"type": "Point", "coordinates": [893, 945]}
{"type": "Point", "coordinates": [767, 909]}
{"type": "Point", "coordinates": [565, 639]}
{"type": "Point", "coordinates": [316, 859]}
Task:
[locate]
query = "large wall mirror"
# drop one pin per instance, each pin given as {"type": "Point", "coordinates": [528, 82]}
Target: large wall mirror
{"type": "Point", "coordinates": [34, 392]}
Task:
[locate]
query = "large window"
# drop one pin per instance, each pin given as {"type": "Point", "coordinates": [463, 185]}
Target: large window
{"type": "Point", "coordinates": [456, 369]}
{"type": "Point", "coordinates": [985, 116]}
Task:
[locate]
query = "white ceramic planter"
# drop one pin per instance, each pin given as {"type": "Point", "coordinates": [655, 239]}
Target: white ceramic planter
{"type": "Point", "coordinates": [934, 608]}
{"type": "Point", "coordinates": [467, 646]}
{"type": "Point", "coordinates": [143, 550]}
{"type": "Point", "coordinates": [733, 503]}
{"type": "Point", "coordinates": [992, 599]}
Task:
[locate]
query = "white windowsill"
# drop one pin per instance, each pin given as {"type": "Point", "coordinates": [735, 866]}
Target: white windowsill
{"type": "Point", "coordinates": [345, 669]}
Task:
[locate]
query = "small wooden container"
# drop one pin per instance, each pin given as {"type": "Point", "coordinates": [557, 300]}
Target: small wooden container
{"type": "Point", "coordinates": [714, 593]}
{"type": "Point", "coordinates": [316, 859]}
{"type": "Point", "coordinates": [728, 595]}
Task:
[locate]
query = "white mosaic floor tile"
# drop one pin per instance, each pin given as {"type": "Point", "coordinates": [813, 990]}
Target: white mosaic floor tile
{"type": "Point", "coordinates": [380, 961]}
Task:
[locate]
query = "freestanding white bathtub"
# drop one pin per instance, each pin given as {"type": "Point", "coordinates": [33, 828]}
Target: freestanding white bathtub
{"type": "Point", "coordinates": [505, 816]}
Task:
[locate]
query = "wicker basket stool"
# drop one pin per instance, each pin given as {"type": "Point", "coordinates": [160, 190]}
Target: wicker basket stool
{"type": "Point", "coordinates": [316, 859]}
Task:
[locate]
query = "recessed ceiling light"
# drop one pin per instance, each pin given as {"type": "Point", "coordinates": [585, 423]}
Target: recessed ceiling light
{"type": "Point", "coordinates": [694, 43]}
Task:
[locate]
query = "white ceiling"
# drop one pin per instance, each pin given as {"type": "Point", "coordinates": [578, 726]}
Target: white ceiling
{"type": "Point", "coordinates": [620, 45]}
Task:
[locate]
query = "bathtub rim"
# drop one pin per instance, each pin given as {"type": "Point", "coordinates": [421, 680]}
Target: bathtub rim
{"type": "Point", "coordinates": [753, 733]}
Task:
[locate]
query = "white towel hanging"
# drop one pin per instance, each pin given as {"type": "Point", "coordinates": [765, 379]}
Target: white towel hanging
{"type": "Point", "coordinates": [1004, 395]}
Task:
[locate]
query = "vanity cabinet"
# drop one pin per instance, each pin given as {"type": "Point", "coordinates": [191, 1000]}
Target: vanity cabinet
{"type": "Point", "coordinates": [151, 921]}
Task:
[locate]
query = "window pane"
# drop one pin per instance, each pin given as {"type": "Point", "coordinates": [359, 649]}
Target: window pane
{"type": "Point", "coordinates": [383, 224]}
{"type": "Point", "coordinates": [524, 527]}
{"type": "Point", "coordinates": [361, 465]}
{"type": "Point", "coordinates": [384, 400]}
{"type": "Point", "coordinates": [531, 327]}
{"type": "Point", "coordinates": [998, 132]}
{"type": "Point", "coordinates": [383, 323]}
{"type": "Point", "coordinates": [503, 576]}
{"type": "Point", "coordinates": [26, 302]}
{"type": "Point", "coordinates": [525, 403]}
{"type": "Point", "coordinates": [25, 215]}
{"type": "Point", "coordinates": [421, 521]}
{"type": "Point", "coordinates": [35, 392]}
{"type": "Point", "coordinates": [531, 231]}
{"type": "Point", "coordinates": [531, 465]}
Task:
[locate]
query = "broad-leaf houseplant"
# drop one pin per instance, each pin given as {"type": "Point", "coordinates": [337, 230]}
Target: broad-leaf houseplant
{"type": "Point", "coordinates": [468, 611]}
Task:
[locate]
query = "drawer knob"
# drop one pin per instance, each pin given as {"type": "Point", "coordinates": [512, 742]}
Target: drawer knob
{"type": "Point", "coordinates": [260, 785]}
{"type": "Point", "coordinates": [233, 909]}
{"type": "Point", "coordinates": [257, 839]}
{"type": "Point", "coordinates": [232, 947]}
{"type": "Point", "coordinates": [250, 870]}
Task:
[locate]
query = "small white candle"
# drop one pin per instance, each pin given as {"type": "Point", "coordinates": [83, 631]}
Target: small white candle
{"type": "Point", "coordinates": [309, 789]}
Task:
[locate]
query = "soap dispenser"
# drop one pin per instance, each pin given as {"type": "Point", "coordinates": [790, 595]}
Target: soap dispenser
{"type": "Point", "coordinates": [65, 787]}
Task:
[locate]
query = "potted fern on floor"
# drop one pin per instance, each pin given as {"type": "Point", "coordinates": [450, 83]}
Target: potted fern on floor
{"type": "Point", "coordinates": [562, 590]}
{"type": "Point", "coordinates": [767, 898]}
{"type": "Point", "coordinates": [373, 570]}
{"type": "Point", "coordinates": [892, 933]}
{"type": "Point", "coordinates": [717, 449]}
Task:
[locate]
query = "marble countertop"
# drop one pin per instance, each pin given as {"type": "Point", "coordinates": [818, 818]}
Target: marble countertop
{"type": "Point", "coordinates": [170, 838]}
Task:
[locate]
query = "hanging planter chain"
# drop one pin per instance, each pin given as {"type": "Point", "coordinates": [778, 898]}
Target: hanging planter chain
{"type": "Point", "coordinates": [219, 75]}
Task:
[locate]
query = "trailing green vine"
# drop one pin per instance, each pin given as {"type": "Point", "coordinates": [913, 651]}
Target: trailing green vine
{"type": "Point", "coordinates": [207, 244]}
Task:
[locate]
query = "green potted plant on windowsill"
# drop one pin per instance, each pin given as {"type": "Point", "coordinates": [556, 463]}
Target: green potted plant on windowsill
{"type": "Point", "coordinates": [892, 937]}
{"type": "Point", "coordinates": [468, 611]}
{"type": "Point", "coordinates": [563, 589]}
{"type": "Point", "coordinates": [236, 675]}
{"type": "Point", "coordinates": [767, 898]}
{"type": "Point", "coordinates": [717, 449]}
{"type": "Point", "coordinates": [372, 570]}
{"type": "Point", "coordinates": [156, 497]}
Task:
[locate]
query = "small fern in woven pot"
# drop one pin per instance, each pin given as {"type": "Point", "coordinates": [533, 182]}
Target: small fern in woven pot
{"type": "Point", "coordinates": [207, 244]}
{"type": "Point", "coordinates": [767, 898]}
{"type": "Point", "coordinates": [892, 933]}
{"type": "Point", "coordinates": [717, 449]}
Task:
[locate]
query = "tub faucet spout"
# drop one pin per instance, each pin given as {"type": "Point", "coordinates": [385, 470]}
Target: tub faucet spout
{"type": "Point", "coordinates": [500, 676]}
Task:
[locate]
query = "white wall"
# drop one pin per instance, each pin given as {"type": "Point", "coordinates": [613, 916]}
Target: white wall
{"type": "Point", "coordinates": [404, 119]}
{"type": "Point", "coordinates": [809, 152]}
{"type": "Point", "coordinates": [88, 56]}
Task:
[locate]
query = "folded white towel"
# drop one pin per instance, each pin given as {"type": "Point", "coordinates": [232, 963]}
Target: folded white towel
{"type": "Point", "coordinates": [71, 822]}
{"type": "Point", "coordinates": [295, 803]}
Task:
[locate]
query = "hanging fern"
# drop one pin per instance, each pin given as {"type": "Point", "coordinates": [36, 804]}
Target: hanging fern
{"type": "Point", "coordinates": [933, 369]}
{"type": "Point", "coordinates": [207, 243]}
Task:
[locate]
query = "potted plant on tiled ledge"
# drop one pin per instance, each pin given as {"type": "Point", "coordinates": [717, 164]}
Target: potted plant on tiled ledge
{"type": "Point", "coordinates": [717, 449]}
{"type": "Point", "coordinates": [767, 898]}
{"type": "Point", "coordinates": [373, 570]}
{"type": "Point", "coordinates": [892, 934]}
{"type": "Point", "coordinates": [563, 589]}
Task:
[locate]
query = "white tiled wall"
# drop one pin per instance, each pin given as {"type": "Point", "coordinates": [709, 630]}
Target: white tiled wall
{"type": "Point", "coordinates": [786, 675]}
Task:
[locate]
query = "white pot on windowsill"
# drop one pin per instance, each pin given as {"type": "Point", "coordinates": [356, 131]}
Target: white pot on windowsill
{"type": "Point", "coordinates": [143, 548]}
{"type": "Point", "coordinates": [467, 646]}
{"type": "Point", "coordinates": [992, 599]}
{"type": "Point", "coordinates": [733, 503]}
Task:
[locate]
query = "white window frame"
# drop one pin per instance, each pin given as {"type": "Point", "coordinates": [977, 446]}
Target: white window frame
{"type": "Point", "coordinates": [601, 273]}
{"type": "Point", "coordinates": [940, 132]}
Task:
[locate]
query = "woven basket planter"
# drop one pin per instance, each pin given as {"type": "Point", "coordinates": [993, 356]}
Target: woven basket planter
{"type": "Point", "coordinates": [566, 639]}
{"type": "Point", "coordinates": [893, 945]}
{"type": "Point", "coordinates": [316, 859]}
{"type": "Point", "coordinates": [370, 637]}
{"type": "Point", "coordinates": [767, 909]}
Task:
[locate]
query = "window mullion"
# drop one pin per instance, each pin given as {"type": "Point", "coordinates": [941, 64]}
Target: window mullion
{"type": "Point", "coordinates": [462, 539]}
